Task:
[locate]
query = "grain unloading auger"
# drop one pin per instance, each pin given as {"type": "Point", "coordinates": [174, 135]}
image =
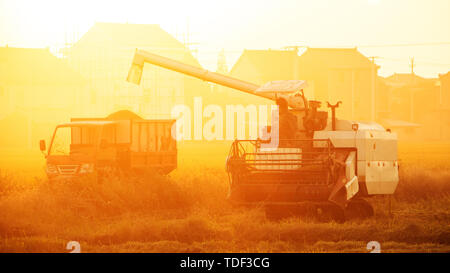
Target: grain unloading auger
{"type": "Point", "coordinates": [329, 165]}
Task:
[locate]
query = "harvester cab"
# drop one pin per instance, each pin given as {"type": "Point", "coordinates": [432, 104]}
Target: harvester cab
{"type": "Point", "coordinates": [329, 165]}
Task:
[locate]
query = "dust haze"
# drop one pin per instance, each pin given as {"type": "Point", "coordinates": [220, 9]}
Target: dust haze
{"type": "Point", "coordinates": [135, 188]}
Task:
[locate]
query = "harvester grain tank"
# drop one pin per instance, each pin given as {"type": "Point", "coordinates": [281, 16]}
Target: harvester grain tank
{"type": "Point", "coordinates": [121, 142]}
{"type": "Point", "coordinates": [331, 163]}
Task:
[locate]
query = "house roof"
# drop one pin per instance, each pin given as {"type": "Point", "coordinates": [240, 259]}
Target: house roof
{"type": "Point", "coordinates": [279, 64]}
{"type": "Point", "coordinates": [335, 58]}
{"type": "Point", "coordinates": [34, 66]}
{"type": "Point", "coordinates": [405, 79]}
{"type": "Point", "coordinates": [446, 75]}
{"type": "Point", "coordinates": [128, 35]}
{"type": "Point", "coordinates": [269, 64]}
{"type": "Point", "coordinates": [86, 123]}
{"type": "Point", "coordinates": [142, 36]}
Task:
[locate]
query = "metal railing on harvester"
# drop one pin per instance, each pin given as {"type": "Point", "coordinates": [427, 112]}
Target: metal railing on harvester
{"type": "Point", "coordinates": [292, 155]}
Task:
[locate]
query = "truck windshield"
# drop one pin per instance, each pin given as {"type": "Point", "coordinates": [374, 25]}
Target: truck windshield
{"type": "Point", "coordinates": [75, 140]}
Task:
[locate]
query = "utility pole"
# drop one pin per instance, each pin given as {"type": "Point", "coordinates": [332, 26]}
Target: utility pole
{"type": "Point", "coordinates": [353, 95]}
{"type": "Point", "coordinates": [411, 92]}
{"type": "Point", "coordinates": [187, 43]}
{"type": "Point", "coordinates": [440, 110]}
{"type": "Point", "coordinates": [374, 72]}
{"type": "Point", "coordinates": [222, 66]}
{"type": "Point", "coordinates": [295, 71]}
{"type": "Point", "coordinates": [412, 66]}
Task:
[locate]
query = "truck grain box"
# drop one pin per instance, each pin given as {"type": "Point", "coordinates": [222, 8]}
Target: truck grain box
{"type": "Point", "coordinates": [121, 142]}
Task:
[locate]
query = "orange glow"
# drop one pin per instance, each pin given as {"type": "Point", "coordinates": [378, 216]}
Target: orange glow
{"type": "Point", "coordinates": [142, 126]}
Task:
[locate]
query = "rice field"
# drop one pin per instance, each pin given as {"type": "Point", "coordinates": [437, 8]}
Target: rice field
{"type": "Point", "coordinates": [187, 211]}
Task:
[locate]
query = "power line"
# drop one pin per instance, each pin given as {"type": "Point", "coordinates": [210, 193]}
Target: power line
{"type": "Point", "coordinates": [415, 61]}
{"type": "Point", "coordinates": [405, 45]}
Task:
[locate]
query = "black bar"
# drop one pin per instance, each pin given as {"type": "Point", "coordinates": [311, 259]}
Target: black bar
{"type": "Point", "coordinates": [222, 262]}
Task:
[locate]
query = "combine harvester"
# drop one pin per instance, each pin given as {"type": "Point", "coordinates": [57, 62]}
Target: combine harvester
{"type": "Point", "coordinates": [328, 166]}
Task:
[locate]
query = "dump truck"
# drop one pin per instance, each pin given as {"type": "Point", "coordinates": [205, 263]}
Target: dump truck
{"type": "Point", "coordinates": [122, 142]}
{"type": "Point", "coordinates": [329, 165]}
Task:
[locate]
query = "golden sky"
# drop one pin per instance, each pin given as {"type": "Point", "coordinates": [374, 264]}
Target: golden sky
{"type": "Point", "coordinates": [235, 24]}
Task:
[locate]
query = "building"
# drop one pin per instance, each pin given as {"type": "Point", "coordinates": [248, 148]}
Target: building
{"type": "Point", "coordinates": [444, 90]}
{"type": "Point", "coordinates": [333, 74]}
{"type": "Point", "coordinates": [37, 90]}
{"type": "Point", "coordinates": [342, 74]}
{"type": "Point", "coordinates": [260, 67]}
{"type": "Point", "coordinates": [444, 105]}
{"type": "Point", "coordinates": [404, 88]}
{"type": "Point", "coordinates": [104, 54]}
{"type": "Point", "coordinates": [417, 100]}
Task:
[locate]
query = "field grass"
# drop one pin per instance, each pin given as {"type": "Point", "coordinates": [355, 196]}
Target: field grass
{"type": "Point", "coordinates": [187, 212]}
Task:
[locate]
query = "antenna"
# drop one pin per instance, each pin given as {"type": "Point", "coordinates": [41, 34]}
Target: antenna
{"type": "Point", "coordinates": [187, 42]}
{"type": "Point", "coordinates": [222, 66]}
{"type": "Point", "coordinates": [294, 48]}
